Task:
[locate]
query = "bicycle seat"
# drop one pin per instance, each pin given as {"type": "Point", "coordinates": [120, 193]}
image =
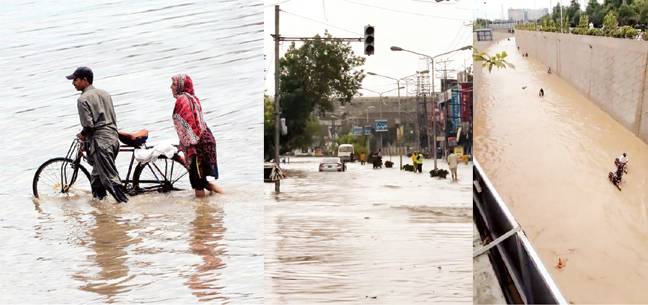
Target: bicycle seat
{"type": "Point", "coordinates": [134, 139]}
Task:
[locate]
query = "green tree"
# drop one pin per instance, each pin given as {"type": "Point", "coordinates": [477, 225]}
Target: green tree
{"type": "Point", "coordinates": [613, 4]}
{"type": "Point", "coordinates": [610, 24]}
{"type": "Point", "coordinates": [498, 60]}
{"type": "Point", "coordinates": [313, 78]}
{"type": "Point", "coordinates": [641, 7]}
{"type": "Point", "coordinates": [628, 15]}
{"type": "Point", "coordinates": [481, 23]}
{"type": "Point", "coordinates": [555, 12]}
{"type": "Point", "coordinates": [268, 127]}
{"type": "Point", "coordinates": [583, 25]}
{"type": "Point", "coordinates": [583, 21]}
{"type": "Point", "coordinates": [596, 12]}
{"type": "Point", "coordinates": [574, 12]}
{"type": "Point", "coordinates": [311, 129]}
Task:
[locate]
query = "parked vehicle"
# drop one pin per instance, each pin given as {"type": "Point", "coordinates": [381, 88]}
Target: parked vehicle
{"type": "Point", "coordinates": [346, 153]}
{"type": "Point", "coordinates": [333, 164]}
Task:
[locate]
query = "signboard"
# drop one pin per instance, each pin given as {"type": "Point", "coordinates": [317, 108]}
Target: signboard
{"type": "Point", "coordinates": [443, 97]}
{"type": "Point", "coordinates": [452, 141]}
{"type": "Point", "coordinates": [381, 125]}
{"type": "Point", "coordinates": [455, 110]}
{"type": "Point", "coordinates": [367, 130]}
{"type": "Point", "coordinates": [357, 130]}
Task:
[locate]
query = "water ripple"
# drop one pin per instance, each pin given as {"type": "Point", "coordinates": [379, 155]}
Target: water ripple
{"type": "Point", "coordinates": [158, 248]}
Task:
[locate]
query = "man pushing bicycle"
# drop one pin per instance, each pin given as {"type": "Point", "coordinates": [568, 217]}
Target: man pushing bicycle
{"type": "Point", "coordinates": [97, 115]}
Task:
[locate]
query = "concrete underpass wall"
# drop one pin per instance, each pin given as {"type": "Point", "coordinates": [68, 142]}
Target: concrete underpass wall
{"type": "Point", "coordinates": [610, 71]}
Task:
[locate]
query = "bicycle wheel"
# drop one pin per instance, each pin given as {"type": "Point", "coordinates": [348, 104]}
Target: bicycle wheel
{"type": "Point", "coordinates": [57, 178]}
{"type": "Point", "coordinates": [163, 175]}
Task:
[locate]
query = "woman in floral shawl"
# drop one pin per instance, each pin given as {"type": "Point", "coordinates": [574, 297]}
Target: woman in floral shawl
{"type": "Point", "coordinates": [196, 140]}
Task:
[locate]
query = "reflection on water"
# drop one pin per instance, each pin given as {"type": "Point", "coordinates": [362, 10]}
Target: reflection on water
{"type": "Point", "coordinates": [549, 159]}
{"type": "Point", "coordinates": [206, 236]}
{"type": "Point", "coordinates": [108, 239]}
{"type": "Point", "coordinates": [158, 248]}
{"type": "Point", "coordinates": [365, 235]}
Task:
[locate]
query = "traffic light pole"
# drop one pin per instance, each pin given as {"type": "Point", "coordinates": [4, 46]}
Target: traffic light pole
{"type": "Point", "coordinates": [346, 39]}
{"type": "Point", "coordinates": [276, 97]}
{"type": "Point", "coordinates": [277, 106]}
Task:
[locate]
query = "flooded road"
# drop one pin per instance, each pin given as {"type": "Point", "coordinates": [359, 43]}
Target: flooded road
{"type": "Point", "coordinates": [549, 159]}
{"type": "Point", "coordinates": [158, 248]}
{"type": "Point", "coordinates": [368, 236]}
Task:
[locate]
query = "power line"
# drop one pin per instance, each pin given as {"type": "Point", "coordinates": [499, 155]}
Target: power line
{"type": "Point", "coordinates": [456, 37]}
{"type": "Point", "coordinates": [406, 12]}
{"type": "Point", "coordinates": [442, 4]}
{"type": "Point", "coordinates": [278, 3]}
{"type": "Point", "coordinates": [322, 22]}
{"type": "Point", "coordinates": [460, 37]}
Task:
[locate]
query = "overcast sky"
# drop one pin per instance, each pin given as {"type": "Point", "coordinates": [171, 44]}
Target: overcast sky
{"type": "Point", "coordinates": [498, 9]}
{"type": "Point", "coordinates": [424, 26]}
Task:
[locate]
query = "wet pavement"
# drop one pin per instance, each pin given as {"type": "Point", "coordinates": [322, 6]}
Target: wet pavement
{"type": "Point", "coordinates": [158, 248]}
{"type": "Point", "coordinates": [368, 236]}
{"type": "Point", "coordinates": [549, 159]}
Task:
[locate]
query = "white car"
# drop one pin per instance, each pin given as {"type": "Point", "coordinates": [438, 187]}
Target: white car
{"type": "Point", "coordinates": [332, 165]}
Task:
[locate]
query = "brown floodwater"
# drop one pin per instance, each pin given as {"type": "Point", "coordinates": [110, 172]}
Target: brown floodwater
{"type": "Point", "coordinates": [549, 159]}
{"type": "Point", "coordinates": [367, 236]}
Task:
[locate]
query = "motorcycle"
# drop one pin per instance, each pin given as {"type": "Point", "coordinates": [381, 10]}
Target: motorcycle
{"type": "Point", "coordinates": [616, 180]}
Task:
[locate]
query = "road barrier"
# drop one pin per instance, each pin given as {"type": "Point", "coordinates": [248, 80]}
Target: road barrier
{"type": "Point", "coordinates": [520, 272]}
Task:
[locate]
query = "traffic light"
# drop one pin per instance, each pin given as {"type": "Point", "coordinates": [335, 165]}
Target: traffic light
{"type": "Point", "coordinates": [369, 40]}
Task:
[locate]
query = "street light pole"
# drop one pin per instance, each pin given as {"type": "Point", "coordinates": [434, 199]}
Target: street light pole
{"type": "Point", "coordinates": [394, 48]}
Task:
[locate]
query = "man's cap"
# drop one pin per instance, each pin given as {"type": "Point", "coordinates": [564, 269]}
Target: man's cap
{"type": "Point", "coordinates": [81, 72]}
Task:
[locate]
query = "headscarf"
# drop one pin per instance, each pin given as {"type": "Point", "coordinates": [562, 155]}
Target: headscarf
{"type": "Point", "coordinates": [183, 84]}
{"type": "Point", "coordinates": [187, 114]}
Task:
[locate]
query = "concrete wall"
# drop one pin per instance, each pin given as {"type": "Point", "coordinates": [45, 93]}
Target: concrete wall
{"type": "Point", "coordinates": [610, 71]}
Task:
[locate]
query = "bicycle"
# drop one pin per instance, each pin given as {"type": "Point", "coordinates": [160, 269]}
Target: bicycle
{"type": "Point", "coordinates": [60, 176]}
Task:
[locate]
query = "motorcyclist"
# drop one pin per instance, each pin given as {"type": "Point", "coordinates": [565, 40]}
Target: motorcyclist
{"type": "Point", "coordinates": [619, 166]}
{"type": "Point", "coordinates": [624, 162]}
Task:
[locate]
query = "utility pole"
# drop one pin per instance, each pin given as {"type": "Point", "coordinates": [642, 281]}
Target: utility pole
{"type": "Point", "coordinates": [276, 97]}
{"type": "Point", "coordinates": [434, 150]}
{"type": "Point", "coordinates": [445, 99]}
{"type": "Point", "coordinates": [417, 121]}
{"type": "Point", "coordinates": [400, 122]}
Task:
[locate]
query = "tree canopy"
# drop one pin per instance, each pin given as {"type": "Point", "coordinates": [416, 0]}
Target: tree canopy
{"type": "Point", "coordinates": [313, 78]}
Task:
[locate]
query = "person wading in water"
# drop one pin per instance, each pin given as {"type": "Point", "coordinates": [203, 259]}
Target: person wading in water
{"type": "Point", "coordinates": [196, 140]}
{"type": "Point", "coordinates": [99, 134]}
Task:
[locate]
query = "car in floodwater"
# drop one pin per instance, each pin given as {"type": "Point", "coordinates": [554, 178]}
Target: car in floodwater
{"type": "Point", "coordinates": [333, 164]}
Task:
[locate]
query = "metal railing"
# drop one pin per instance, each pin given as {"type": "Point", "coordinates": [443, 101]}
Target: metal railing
{"type": "Point", "coordinates": [520, 272]}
